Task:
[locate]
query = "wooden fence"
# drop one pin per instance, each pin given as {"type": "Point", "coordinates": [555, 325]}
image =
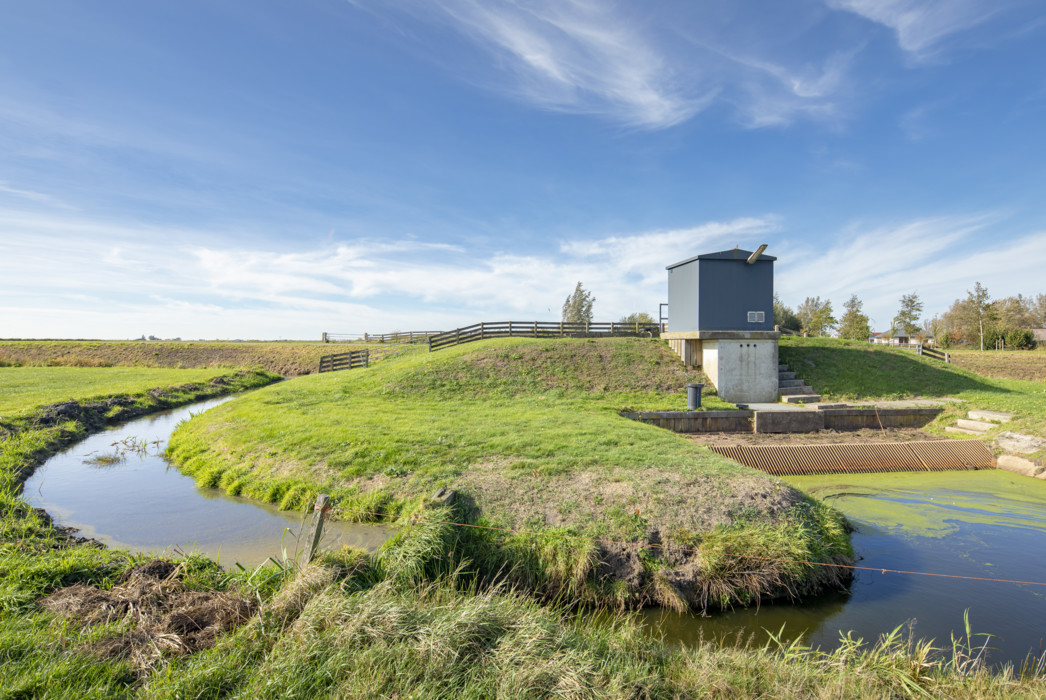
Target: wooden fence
{"type": "Point", "coordinates": [539, 329]}
{"type": "Point", "coordinates": [397, 337]}
{"type": "Point", "coordinates": [935, 354]}
{"type": "Point", "coordinates": [345, 360]}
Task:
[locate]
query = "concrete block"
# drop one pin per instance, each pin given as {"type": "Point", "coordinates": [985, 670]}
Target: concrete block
{"type": "Point", "coordinates": [962, 431]}
{"type": "Point", "coordinates": [1018, 442]}
{"type": "Point", "coordinates": [996, 416]}
{"type": "Point", "coordinates": [802, 398]}
{"type": "Point", "coordinates": [1020, 465]}
{"type": "Point", "coordinates": [788, 421]}
{"type": "Point", "coordinates": [979, 426]}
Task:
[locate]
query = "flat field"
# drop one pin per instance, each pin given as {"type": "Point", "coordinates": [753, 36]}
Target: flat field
{"type": "Point", "coordinates": [1025, 365]}
{"type": "Point", "coordinates": [287, 359]}
{"type": "Point", "coordinates": [24, 389]}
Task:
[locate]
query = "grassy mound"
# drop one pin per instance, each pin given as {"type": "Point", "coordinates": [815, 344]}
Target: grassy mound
{"type": "Point", "coordinates": [852, 370]}
{"type": "Point", "coordinates": [286, 359]}
{"type": "Point", "coordinates": [528, 433]}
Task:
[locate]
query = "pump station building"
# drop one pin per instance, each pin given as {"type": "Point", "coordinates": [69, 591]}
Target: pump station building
{"type": "Point", "coordinates": [721, 318]}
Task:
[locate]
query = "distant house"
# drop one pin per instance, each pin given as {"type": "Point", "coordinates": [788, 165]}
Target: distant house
{"type": "Point", "coordinates": [885, 338]}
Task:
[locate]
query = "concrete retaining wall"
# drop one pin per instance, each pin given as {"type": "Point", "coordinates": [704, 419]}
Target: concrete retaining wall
{"type": "Point", "coordinates": [696, 421]}
{"type": "Point", "coordinates": [785, 421]}
{"type": "Point", "coordinates": [858, 418]}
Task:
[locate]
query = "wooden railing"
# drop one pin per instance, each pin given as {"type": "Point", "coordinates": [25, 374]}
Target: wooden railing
{"type": "Point", "coordinates": [935, 354]}
{"type": "Point", "coordinates": [539, 329]}
{"type": "Point", "coordinates": [345, 360]}
{"type": "Point", "coordinates": [397, 337]}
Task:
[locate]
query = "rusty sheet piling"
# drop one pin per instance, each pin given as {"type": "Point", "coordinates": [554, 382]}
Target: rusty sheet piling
{"type": "Point", "coordinates": [796, 460]}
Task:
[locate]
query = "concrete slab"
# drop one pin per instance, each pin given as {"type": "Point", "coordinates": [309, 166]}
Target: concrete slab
{"type": "Point", "coordinates": [1018, 442]}
{"type": "Point", "coordinates": [773, 407]}
{"type": "Point", "coordinates": [962, 431]}
{"type": "Point", "coordinates": [997, 416]}
{"type": "Point", "coordinates": [914, 403]}
{"type": "Point", "coordinates": [978, 425]}
{"type": "Point", "coordinates": [1019, 465]}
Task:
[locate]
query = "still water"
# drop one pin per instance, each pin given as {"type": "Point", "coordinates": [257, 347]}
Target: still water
{"type": "Point", "coordinates": [141, 503]}
{"type": "Point", "coordinates": [984, 524]}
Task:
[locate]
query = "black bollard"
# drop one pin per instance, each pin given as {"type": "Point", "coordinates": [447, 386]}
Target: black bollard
{"type": "Point", "coordinates": [693, 396]}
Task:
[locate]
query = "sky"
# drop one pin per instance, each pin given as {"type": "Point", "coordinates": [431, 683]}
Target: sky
{"type": "Point", "coordinates": [275, 170]}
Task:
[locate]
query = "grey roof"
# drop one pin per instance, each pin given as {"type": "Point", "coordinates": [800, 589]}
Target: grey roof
{"type": "Point", "coordinates": [735, 254]}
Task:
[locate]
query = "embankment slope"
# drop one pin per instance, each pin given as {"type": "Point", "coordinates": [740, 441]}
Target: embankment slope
{"type": "Point", "coordinates": [528, 433]}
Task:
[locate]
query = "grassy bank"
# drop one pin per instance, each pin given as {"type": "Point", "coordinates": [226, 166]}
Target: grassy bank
{"type": "Point", "coordinates": [285, 358]}
{"type": "Point", "coordinates": [856, 371]}
{"type": "Point", "coordinates": [527, 432]}
{"type": "Point", "coordinates": [80, 621]}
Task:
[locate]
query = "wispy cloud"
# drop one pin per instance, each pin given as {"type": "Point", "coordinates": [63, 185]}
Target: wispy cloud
{"type": "Point", "coordinates": [650, 69]}
{"type": "Point", "coordinates": [921, 24]}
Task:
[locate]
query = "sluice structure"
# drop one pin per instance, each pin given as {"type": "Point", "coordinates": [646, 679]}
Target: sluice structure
{"type": "Point", "coordinates": [796, 460]}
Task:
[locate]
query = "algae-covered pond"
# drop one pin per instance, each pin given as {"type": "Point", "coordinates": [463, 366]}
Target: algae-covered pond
{"type": "Point", "coordinates": [134, 499]}
{"type": "Point", "coordinates": [982, 524]}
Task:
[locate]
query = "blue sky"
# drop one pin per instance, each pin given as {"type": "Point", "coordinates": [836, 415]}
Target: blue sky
{"type": "Point", "coordinates": [274, 169]}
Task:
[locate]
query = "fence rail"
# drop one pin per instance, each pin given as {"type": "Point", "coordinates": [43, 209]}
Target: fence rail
{"type": "Point", "coordinates": [397, 337]}
{"type": "Point", "coordinates": [345, 360]}
{"type": "Point", "coordinates": [935, 354]}
{"type": "Point", "coordinates": [539, 329]}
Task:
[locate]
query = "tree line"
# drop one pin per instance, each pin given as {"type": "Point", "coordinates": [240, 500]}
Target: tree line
{"type": "Point", "coordinates": [974, 320]}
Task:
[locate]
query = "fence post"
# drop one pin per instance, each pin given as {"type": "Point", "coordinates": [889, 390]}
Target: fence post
{"type": "Point", "coordinates": [482, 332]}
{"type": "Point", "coordinates": [319, 512]}
{"type": "Point", "coordinates": [366, 358]}
{"type": "Point", "coordinates": [324, 338]}
{"type": "Point", "coordinates": [587, 324]}
{"type": "Point", "coordinates": [535, 329]}
{"type": "Point", "coordinates": [611, 328]}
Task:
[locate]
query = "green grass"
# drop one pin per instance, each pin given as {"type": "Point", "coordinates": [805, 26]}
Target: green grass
{"type": "Point", "coordinates": [856, 371]}
{"type": "Point", "coordinates": [23, 389]}
{"type": "Point", "coordinates": [409, 621]}
{"type": "Point", "coordinates": [529, 433]}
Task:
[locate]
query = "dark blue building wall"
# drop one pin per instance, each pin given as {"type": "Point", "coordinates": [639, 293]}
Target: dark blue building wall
{"type": "Point", "coordinates": [715, 292]}
{"type": "Point", "coordinates": [729, 289]}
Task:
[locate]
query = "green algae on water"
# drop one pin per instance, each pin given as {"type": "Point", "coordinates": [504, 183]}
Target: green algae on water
{"type": "Point", "coordinates": [932, 504]}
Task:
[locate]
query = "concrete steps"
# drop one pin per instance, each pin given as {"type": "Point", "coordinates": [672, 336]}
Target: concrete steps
{"type": "Point", "coordinates": [793, 390]}
{"type": "Point", "coordinates": [978, 422]}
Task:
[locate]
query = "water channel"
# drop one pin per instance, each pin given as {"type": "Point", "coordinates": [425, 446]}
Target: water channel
{"type": "Point", "coordinates": [135, 500]}
{"type": "Point", "coordinates": [982, 524]}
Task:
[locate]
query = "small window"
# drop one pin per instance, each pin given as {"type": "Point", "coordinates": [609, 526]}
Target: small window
{"type": "Point", "coordinates": [757, 317]}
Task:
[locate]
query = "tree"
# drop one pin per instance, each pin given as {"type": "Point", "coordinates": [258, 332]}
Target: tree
{"type": "Point", "coordinates": [638, 317]}
{"type": "Point", "coordinates": [1038, 311]}
{"type": "Point", "coordinates": [578, 306]}
{"type": "Point", "coordinates": [854, 324]}
{"type": "Point", "coordinates": [815, 316]}
{"type": "Point", "coordinates": [1015, 313]}
{"type": "Point", "coordinates": [784, 316]}
{"type": "Point", "coordinates": [907, 319]}
{"type": "Point", "coordinates": [979, 309]}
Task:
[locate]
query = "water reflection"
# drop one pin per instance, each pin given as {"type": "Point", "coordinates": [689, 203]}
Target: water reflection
{"type": "Point", "coordinates": [985, 525]}
{"type": "Point", "coordinates": [140, 503]}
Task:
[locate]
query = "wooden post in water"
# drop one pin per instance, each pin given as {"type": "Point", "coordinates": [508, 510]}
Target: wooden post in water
{"type": "Point", "coordinates": [319, 512]}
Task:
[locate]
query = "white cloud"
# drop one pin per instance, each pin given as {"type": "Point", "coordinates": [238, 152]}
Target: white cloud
{"type": "Point", "coordinates": [921, 24]}
{"type": "Point", "coordinates": [643, 67]}
{"type": "Point", "coordinates": [121, 285]}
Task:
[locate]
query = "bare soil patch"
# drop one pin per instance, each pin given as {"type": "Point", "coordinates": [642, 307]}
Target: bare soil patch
{"type": "Point", "coordinates": [156, 613]}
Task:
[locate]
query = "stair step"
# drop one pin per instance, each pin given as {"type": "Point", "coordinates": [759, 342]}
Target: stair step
{"type": "Point", "coordinates": [794, 390]}
{"type": "Point", "coordinates": [990, 415]}
{"type": "Point", "coordinates": [976, 425]}
{"type": "Point", "coordinates": [785, 375]}
{"type": "Point", "coordinates": [782, 368]}
{"type": "Point", "coordinates": [790, 382]}
{"type": "Point", "coordinates": [801, 398]}
{"type": "Point", "coordinates": [964, 431]}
